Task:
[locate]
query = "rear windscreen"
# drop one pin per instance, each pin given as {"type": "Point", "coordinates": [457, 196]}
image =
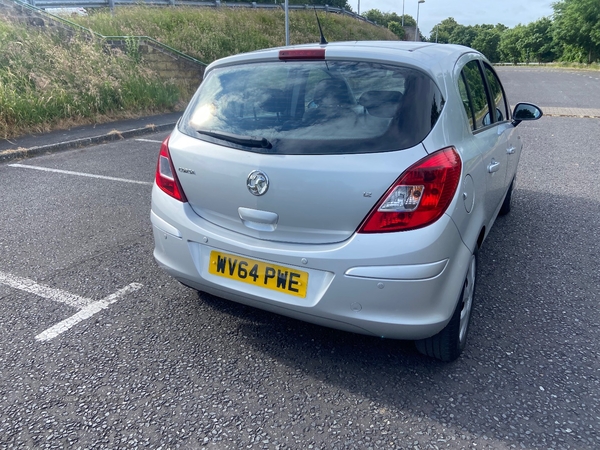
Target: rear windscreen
{"type": "Point", "coordinates": [314, 107]}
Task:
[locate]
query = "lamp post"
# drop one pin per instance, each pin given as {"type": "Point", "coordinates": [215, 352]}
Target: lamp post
{"type": "Point", "coordinates": [417, 27]}
{"type": "Point", "coordinates": [287, 24]}
{"type": "Point", "coordinates": [402, 13]}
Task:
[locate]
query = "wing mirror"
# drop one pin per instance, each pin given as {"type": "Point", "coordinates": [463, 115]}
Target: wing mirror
{"type": "Point", "coordinates": [526, 111]}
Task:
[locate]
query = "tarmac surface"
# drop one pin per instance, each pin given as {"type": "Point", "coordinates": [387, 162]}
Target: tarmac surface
{"type": "Point", "coordinates": [82, 136]}
{"type": "Point", "coordinates": [101, 349]}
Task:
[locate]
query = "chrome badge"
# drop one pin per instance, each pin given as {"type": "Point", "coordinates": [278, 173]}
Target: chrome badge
{"type": "Point", "coordinates": [257, 183]}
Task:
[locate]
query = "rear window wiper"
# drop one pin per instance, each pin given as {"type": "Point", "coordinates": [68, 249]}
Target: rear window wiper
{"type": "Point", "coordinates": [249, 141]}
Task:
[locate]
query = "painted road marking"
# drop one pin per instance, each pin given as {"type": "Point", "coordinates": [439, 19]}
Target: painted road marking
{"type": "Point", "coordinates": [27, 285]}
{"type": "Point", "coordinates": [79, 174]}
{"type": "Point", "coordinates": [149, 140]}
{"type": "Point", "coordinates": [86, 313]}
{"type": "Point", "coordinates": [87, 307]}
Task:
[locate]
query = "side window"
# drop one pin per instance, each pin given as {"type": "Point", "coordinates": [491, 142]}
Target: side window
{"type": "Point", "coordinates": [498, 98]}
{"type": "Point", "coordinates": [466, 101]}
{"type": "Point", "coordinates": [477, 94]}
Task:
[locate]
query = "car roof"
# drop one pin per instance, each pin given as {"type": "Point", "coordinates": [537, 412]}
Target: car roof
{"type": "Point", "coordinates": [438, 60]}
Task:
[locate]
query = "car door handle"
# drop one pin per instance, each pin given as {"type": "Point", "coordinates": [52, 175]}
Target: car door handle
{"type": "Point", "coordinates": [511, 150]}
{"type": "Point", "coordinates": [494, 166]}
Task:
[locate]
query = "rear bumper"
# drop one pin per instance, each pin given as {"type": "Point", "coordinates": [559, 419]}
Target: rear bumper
{"type": "Point", "coordinates": [396, 285]}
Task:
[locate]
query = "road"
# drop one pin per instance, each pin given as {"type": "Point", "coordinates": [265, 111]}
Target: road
{"type": "Point", "coordinates": [100, 349]}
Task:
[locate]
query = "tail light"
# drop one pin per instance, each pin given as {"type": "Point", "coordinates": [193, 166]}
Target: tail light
{"type": "Point", "coordinates": [166, 178]}
{"type": "Point", "coordinates": [295, 54]}
{"type": "Point", "coordinates": [419, 196]}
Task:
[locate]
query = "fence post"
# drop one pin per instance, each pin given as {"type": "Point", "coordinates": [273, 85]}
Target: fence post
{"type": "Point", "coordinates": [254, 4]}
{"type": "Point", "coordinates": [171, 2]}
{"type": "Point", "coordinates": [111, 5]}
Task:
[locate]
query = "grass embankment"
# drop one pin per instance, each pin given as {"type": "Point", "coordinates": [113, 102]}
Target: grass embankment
{"type": "Point", "coordinates": [211, 33]}
{"type": "Point", "coordinates": [50, 81]}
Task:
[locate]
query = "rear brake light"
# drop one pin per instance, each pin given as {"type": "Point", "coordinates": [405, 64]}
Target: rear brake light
{"type": "Point", "coordinates": [313, 53]}
{"type": "Point", "coordinates": [419, 196]}
{"type": "Point", "coordinates": [166, 178]}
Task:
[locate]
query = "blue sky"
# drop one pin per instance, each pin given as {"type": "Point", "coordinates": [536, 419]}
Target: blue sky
{"type": "Point", "coordinates": [508, 12]}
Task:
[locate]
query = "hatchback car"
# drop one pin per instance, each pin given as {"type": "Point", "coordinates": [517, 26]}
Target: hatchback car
{"type": "Point", "coordinates": [348, 185]}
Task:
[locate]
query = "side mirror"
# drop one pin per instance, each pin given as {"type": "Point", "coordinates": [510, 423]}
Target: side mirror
{"type": "Point", "coordinates": [526, 111]}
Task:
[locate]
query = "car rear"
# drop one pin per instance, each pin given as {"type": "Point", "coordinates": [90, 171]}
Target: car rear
{"type": "Point", "coordinates": [298, 183]}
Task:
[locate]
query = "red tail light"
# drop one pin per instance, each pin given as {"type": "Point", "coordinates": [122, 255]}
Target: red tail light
{"type": "Point", "coordinates": [419, 196]}
{"type": "Point", "coordinates": [308, 53]}
{"type": "Point", "coordinates": [166, 177]}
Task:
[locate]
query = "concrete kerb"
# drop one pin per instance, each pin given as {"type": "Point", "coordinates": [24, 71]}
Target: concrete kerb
{"type": "Point", "coordinates": [21, 153]}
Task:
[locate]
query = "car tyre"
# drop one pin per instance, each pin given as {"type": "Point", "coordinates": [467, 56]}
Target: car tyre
{"type": "Point", "coordinates": [449, 343]}
{"type": "Point", "coordinates": [505, 208]}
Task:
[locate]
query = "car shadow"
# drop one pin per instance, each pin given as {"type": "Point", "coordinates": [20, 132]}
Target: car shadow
{"type": "Point", "coordinates": [529, 364]}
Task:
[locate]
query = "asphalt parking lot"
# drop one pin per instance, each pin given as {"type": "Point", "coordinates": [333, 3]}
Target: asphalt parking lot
{"type": "Point", "coordinates": [100, 349]}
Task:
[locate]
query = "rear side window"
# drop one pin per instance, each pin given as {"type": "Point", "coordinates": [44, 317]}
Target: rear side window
{"type": "Point", "coordinates": [477, 104]}
{"type": "Point", "coordinates": [498, 98]}
{"type": "Point", "coordinates": [314, 107]}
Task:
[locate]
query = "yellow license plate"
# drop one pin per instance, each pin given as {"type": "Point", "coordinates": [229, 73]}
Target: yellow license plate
{"type": "Point", "coordinates": [258, 273]}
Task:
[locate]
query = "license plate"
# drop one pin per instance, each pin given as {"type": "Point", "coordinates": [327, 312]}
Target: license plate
{"type": "Point", "coordinates": [257, 273]}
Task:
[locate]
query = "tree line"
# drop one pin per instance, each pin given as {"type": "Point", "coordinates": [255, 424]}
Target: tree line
{"type": "Point", "coordinates": [572, 34]}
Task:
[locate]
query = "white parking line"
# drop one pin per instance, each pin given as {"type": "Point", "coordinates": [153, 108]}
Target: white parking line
{"type": "Point", "coordinates": [149, 140]}
{"type": "Point", "coordinates": [86, 313]}
{"type": "Point", "coordinates": [80, 174]}
{"type": "Point", "coordinates": [27, 285]}
{"type": "Point", "coordinates": [87, 307]}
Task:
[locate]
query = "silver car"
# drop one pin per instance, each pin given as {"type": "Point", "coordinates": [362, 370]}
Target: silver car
{"type": "Point", "coordinates": [349, 185]}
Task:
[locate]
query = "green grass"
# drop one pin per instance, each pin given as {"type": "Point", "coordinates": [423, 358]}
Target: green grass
{"type": "Point", "coordinates": [580, 66]}
{"type": "Point", "coordinates": [49, 80]}
{"type": "Point", "coordinates": [210, 33]}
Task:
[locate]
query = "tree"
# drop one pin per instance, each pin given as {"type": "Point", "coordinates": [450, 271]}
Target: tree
{"type": "Point", "coordinates": [487, 41]}
{"type": "Point", "coordinates": [392, 21]}
{"type": "Point", "coordinates": [442, 31]}
{"type": "Point", "coordinates": [397, 29]}
{"type": "Point", "coordinates": [538, 40]}
{"type": "Point", "coordinates": [383, 19]}
{"type": "Point", "coordinates": [577, 23]}
{"type": "Point", "coordinates": [511, 44]}
{"type": "Point", "coordinates": [463, 35]}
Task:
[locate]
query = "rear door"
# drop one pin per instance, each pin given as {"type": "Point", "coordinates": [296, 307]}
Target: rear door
{"type": "Point", "coordinates": [488, 133]}
{"type": "Point", "coordinates": [503, 122]}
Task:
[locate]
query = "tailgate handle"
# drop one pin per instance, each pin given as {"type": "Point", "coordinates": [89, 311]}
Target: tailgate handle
{"type": "Point", "coordinates": [257, 219]}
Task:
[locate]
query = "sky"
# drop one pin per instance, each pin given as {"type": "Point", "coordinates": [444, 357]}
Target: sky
{"type": "Point", "coordinates": [471, 12]}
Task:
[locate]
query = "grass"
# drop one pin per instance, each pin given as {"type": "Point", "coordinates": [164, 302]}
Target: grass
{"type": "Point", "coordinates": [580, 66]}
{"type": "Point", "coordinates": [50, 80]}
{"type": "Point", "coordinates": [211, 33]}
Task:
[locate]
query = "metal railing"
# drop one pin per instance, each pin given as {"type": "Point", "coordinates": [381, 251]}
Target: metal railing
{"type": "Point", "coordinates": [44, 4]}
